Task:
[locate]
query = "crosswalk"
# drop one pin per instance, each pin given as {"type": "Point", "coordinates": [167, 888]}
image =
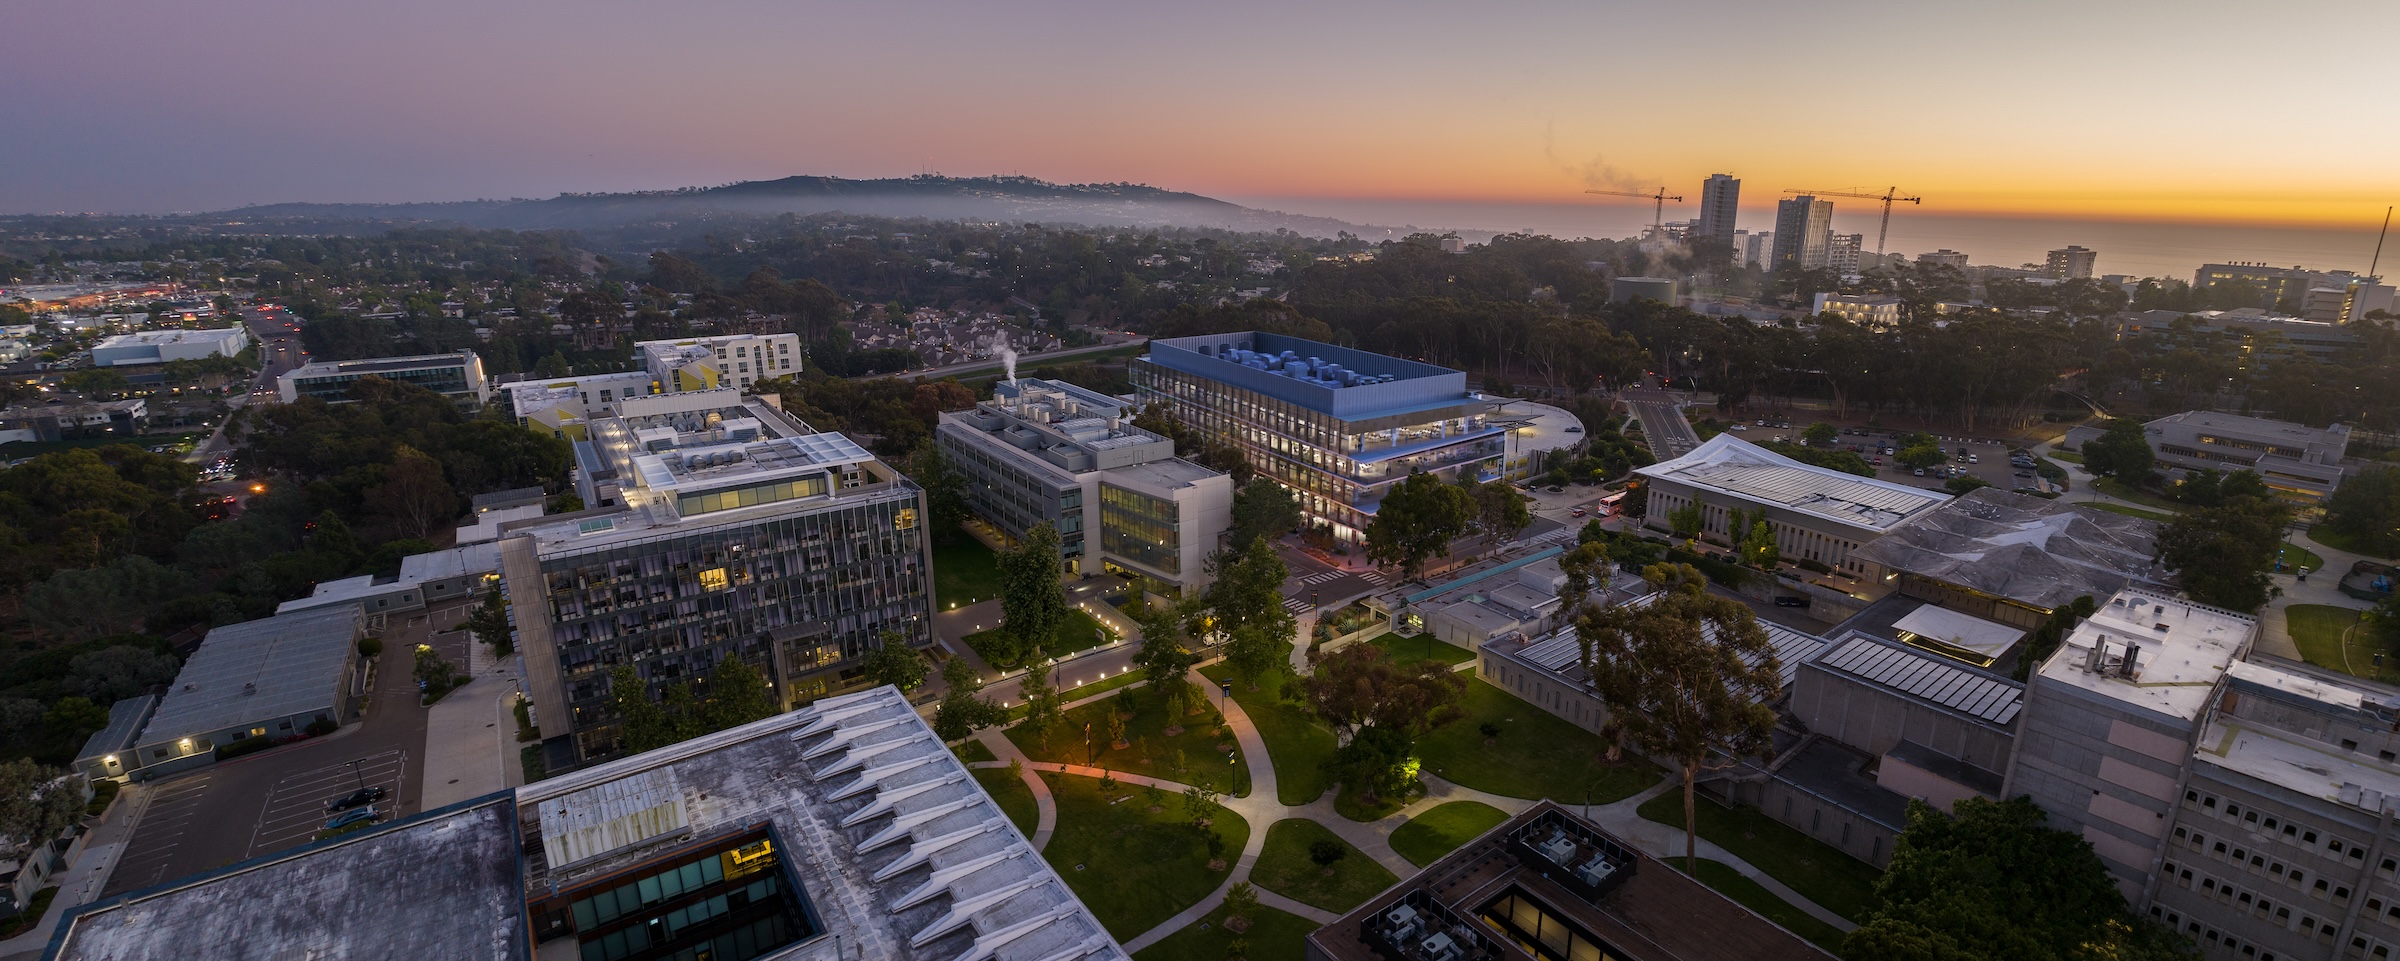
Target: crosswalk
{"type": "Point", "coordinates": [1323, 576]}
{"type": "Point", "coordinates": [1297, 606]}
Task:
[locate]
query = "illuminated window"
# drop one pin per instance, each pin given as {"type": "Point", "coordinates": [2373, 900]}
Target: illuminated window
{"type": "Point", "coordinates": [713, 579]}
{"type": "Point", "coordinates": [906, 520]}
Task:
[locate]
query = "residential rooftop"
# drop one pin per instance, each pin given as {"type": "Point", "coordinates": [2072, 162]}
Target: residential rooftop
{"type": "Point", "coordinates": [272, 666]}
{"type": "Point", "coordinates": [1737, 468]}
{"type": "Point", "coordinates": [2035, 551]}
{"type": "Point", "coordinates": [2152, 652]}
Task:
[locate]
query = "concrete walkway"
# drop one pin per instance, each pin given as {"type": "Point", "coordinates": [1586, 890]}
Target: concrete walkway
{"type": "Point", "coordinates": [471, 744]}
{"type": "Point", "coordinates": [1261, 809]}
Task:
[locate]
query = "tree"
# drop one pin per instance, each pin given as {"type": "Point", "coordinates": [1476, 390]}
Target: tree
{"type": "Point", "coordinates": [1673, 677]}
{"type": "Point", "coordinates": [104, 600]}
{"type": "Point", "coordinates": [37, 803]}
{"type": "Point", "coordinates": [1032, 607]}
{"type": "Point", "coordinates": [2221, 555]}
{"type": "Point", "coordinates": [414, 493]}
{"type": "Point", "coordinates": [1379, 710]}
{"type": "Point", "coordinates": [1993, 881]}
{"type": "Point", "coordinates": [1262, 508]}
{"type": "Point", "coordinates": [1963, 485]}
{"type": "Point", "coordinates": [893, 662]}
{"type": "Point", "coordinates": [433, 671]}
{"type": "Point", "coordinates": [737, 694]}
{"type": "Point", "coordinates": [1758, 546]}
{"type": "Point", "coordinates": [1241, 901]}
{"type": "Point", "coordinates": [1164, 658]}
{"type": "Point", "coordinates": [119, 671]}
{"type": "Point", "coordinates": [1820, 434]}
{"type": "Point", "coordinates": [2122, 451]}
{"type": "Point", "coordinates": [647, 726]}
{"type": "Point", "coordinates": [96, 382]}
{"type": "Point", "coordinates": [1325, 852]}
{"type": "Point", "coordinates": [1500, 510]}
{"type": "Point", "coordinates": [2366, 509]}
{"type": "Point", "coordinates": [1688, 520]}
{"type": "Point", "coordinates": [1044, 705]}
{"type": "Point", "coordinates": [1419, 517]}
{"type": "Point", "coordinates": [945, 491]}
{"type": "Point", "coordinates": [1921, 455]}
{"type": "Point", "coordinates": [1246, 603]}
{"type": "Point", "coordinates": [74, 717]}
{"type": "Point", "coordinates": [962, 712]}
{"type": "Point", "coordinates": [489, 623]}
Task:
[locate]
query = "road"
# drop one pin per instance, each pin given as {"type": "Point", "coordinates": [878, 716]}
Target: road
{"type": "Point", "coordinates": [277, 332]}
{"type": "Point", "coordinates": [1663, 426]}
{"type": "Point", "coordinates": [1023, 362]}
{"type": "Point", "coordinates": [275, 799]}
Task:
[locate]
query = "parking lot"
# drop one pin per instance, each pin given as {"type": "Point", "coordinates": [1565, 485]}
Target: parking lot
{"type": "Point", "coordinates": [295, 807]}
{"type": "Point", "coordinates": [1989, 464]}
{"type": "Point", "coordinates": [166, 825]}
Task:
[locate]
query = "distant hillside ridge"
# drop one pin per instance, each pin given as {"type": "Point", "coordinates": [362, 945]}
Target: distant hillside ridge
{"type": "Point", "coordinates": [999, 199]}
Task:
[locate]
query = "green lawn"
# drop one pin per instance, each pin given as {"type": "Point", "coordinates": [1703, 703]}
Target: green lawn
{"type": "Point", "coordinates": [2296, 556]}
{"type": "Point", "coordinates": [2330, 636]}
{"type": "Point", "coordinates": [1439, 831]}
{"type": "Point", "coordinates": [1077, 692]}
{"type": "Point", "coordinates": [1408, 651]}
{"type": "Point", "coordinates": [2110, 486]}
{"type": "Point", "coordinates": [1133, 868]}
{"type": "Point", "coordinates": [1074, 633]}
{"type": "Point", "coordinates": [1837, 882]}
{"type": "Point", "coordinates": [972, 751]}
{"type": "Point", "coordinates": [2066, 455]}
{"type": "Point", "coordinates": [1016, 800]}
{"type": "Point", "coordinates": [1273, 936]}
{"type": "Point", "coordinates": [964, 572]}
{"type": "Point", "coordinates": [1284, 868]}
{"type": "Point", "coordinates": [1196, 755]}
{"type": "Point", "coordinates": [2342, 542]}
{"type": "Point", "coordinates": [1535, 756]}
{"type": "Point", "coordinates": [1750, 894]}
{"type": "Point", "coordinates": [1296, 744]}
{"type": "Point", "coordinates": [2147, 515]}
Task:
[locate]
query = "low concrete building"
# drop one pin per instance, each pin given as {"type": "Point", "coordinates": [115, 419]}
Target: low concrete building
{"type": "Point", "coordinates": [1867, 310]}
{"type": "Point", "coordinates": [1549, 878]}
{"type": "Point", "coordinates": [163, 346]}
{"type": "Point", "coordinates": [108, 752]}
{"type": "Point", "coordinates": [840, 831]}
{"type": "Point", "coordinates": [2295, 459]}
{"type": "Point", "coordinates": [270, 678]}
{"type": "Point", "coordinates": [1514, 596]}
{"type": "Point", "coordinates": [457, 376]}
{"type": "Point", "coordinates": [68, 421]}
{"type": "Point", "coordinates": [1043, 451]}
{"type": "Point", "coordinates": [1815, 513]}
{"type": "Point", "coordinates": [2014, 558]}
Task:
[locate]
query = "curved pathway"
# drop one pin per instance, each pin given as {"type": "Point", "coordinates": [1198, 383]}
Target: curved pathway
{"type": "Point", "coordinates": [1373, 838]}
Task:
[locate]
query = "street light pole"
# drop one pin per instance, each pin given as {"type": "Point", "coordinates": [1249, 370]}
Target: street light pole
{"type": "Point", "coordinates": [357, 772]}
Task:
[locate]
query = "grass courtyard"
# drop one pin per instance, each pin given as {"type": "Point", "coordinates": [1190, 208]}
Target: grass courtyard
{"type": "Point", "coordinates": [1015, 799]}
{"type": "Point", "coordinates": [964, 572]}
{"type": "Point", "coordinates": [1075, 632]}
{"type": "Point", "coordinates": [1442, 828]}
{"type": "Point", "coordinates": [1536, 755]}
{"type": "Point", "coordinates": [1273, 936]}
{"type": "Point", "coordinates": [1722, 878]}
{"type": "Point", "coordinates": [2343, 542]}
{"type": "Point", "coordinates": [1297, 745]}
{"type": "Point", "coordinates": [1837, 882]}
{"type": "Point", "coordinates": [2115, 508]}
{"type": "Point", "coordinates": [1410, 651]}
{"type": "Point", "coordinates": [1197, 754]}
{"type": "Point", "coordinates": [1284, 867]}
{"type": "Point", "coordinates": [1132, 866]}
{"type": "Point", "coordinates": [2334, 637]}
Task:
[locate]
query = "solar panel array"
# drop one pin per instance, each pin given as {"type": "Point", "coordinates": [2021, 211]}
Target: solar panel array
{"type": "Point", "coordinates": [1968, 692]}
{"type": "Point", "coordinates": [1562, 653]}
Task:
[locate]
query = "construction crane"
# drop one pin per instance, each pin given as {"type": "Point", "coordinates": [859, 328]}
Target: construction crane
{"type": "Point", "coordinates": [1658, 215]}
{"type": "Point", "coordinates": [1889, 197]}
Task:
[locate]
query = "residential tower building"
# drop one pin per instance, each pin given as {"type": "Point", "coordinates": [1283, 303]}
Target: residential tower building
{"type": "Point", "coordinates": [1802, 226]}
{"type": "Point", "coordinates": [1720, 201]}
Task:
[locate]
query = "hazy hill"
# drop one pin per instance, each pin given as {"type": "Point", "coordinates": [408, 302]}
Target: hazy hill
{"type": "Point", "coordinates": [1000, 199]}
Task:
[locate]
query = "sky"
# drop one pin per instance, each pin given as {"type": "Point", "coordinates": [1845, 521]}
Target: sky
{"type": "Point", "coordinates": [2176, 110]}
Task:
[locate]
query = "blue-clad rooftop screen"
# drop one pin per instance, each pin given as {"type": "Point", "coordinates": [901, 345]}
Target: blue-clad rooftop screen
{"type": "Point", "coordinates": [1342, 381]}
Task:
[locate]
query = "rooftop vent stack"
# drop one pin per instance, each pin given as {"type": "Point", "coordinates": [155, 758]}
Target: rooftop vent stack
{"type": "Point", "coordinates": [2093, 657]}
{"type": "Point", "coordinates": [2133, 652]}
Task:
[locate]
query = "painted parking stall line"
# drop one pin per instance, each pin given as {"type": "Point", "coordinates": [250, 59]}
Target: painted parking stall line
{"type": "Point", "coordinates": [164, 823]}
{"type": "Point", "coordinates": [295, 806]}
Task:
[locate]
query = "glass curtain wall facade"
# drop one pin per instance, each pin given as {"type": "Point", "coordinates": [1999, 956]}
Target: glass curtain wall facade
{"type": "Point", "coordinates": [1140, 528]}
{"type": "Point", "coordinates": [448, 379]}
{"type": "Point", "coordinates": [800, 596]}
{"type": "Point", "coordinates": [1339, 469]}
{"type": "Point", "coordinates": [1015, 500]}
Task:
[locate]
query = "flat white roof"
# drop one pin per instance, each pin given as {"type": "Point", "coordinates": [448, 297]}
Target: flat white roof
{"type": "Point", "coordinates": [154, 338]}
{"type": "Point", "coordinates": [2185, 648]}
{"type": "Point", "coordinates": [1964, 631]}
{"type": "Point", "coordinates": [1735, 467]}
{"type": "Point", "coordinates": [271, 667]}
{"type": "Point", "coordinates": [2287, 760]}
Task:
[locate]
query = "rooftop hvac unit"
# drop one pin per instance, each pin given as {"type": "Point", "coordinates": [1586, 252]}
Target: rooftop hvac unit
{"type": "Point", "coordinates": [1402, 921]}
{"type": "Point", "coordinates": [1559, 849]}
{"type": "Point", "coordinates": [1439, 947]}
{"type": "Point", "coordinates": [1594, 871]}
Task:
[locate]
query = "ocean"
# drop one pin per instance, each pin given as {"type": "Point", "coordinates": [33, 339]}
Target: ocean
{"type": "Point", "coordinates": [2139, 249]}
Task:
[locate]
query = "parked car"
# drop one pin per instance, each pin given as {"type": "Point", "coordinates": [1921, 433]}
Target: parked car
{"type": "Point", "coordinates": [1973, 459]}
{"type": "Point", "coordinates": [1920, 472]}
{"type": "Point", "coordinates": [366, 815]}
{"type": "Point", "coordinates": [1574, 430]}
{"type": "Point", "coordinates": [364, 795]}
{"type": "Point", "coordinates": [1580, 511]}
{"type": "Point", "coordinates": [1554, 488]}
